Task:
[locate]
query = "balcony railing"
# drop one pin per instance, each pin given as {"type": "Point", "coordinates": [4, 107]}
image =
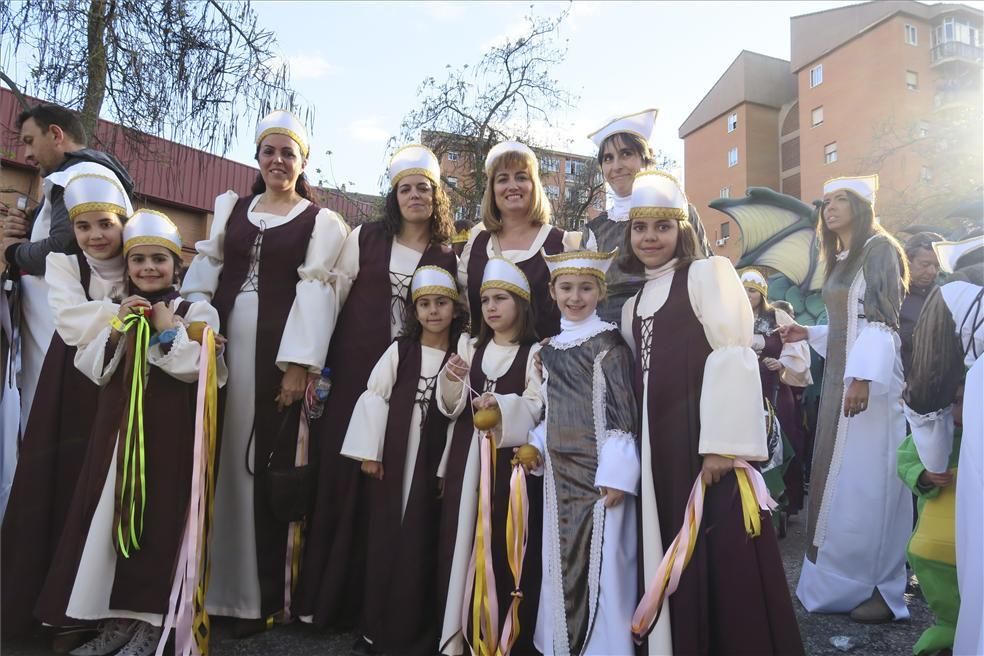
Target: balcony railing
{"type": "Point", "coordinates": [957, 50]}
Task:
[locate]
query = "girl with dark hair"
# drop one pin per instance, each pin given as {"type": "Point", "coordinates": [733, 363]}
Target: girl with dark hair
{"type": "Point", "coordinates": [398, 435]}
{"type": "Point", "coordinates": [947, 349]}
{"type": "Point", "coordinates": [697, 385]}
{"type": "Point", "coordinates": [372, 278]}
{"type": "Point", "coordinates": [623, 151]}
{"type": "Point", "coordinates": [515, 225]}
{"type": "Point", "coordinates": [117, 559]}
{"type": "Point", "coordinates": [781, 367]}
{"type": "Point", "coordinates": [853, 564]}
{"type": "Point", "coordinates": [499, 366]}
{"type": "Point", "coordinates": [84, 291]}
{"type": "Point", "coordinates": [267, 268]}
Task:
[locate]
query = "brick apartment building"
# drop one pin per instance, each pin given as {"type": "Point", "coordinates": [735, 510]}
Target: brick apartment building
{"type": "Point", "coordinates": [178, 180]}
{"type": "Point", "coordinates": [889, 87]}
{"type": "Point", "coordinates": [572, 182]}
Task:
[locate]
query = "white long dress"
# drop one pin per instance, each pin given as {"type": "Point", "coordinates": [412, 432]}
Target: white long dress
{"type": "Point", "coordinates": [731, 380]}
{"type": "Point", "coordinates": [520, 414]}
{"type": "Point", "coordinates": [933, 436]}
{"type": "Point", "coordinates": [235, 587]}
{"type": "Point", "coordinates": [96, 573]}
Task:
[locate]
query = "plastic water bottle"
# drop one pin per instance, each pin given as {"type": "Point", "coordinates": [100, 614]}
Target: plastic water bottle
{"type": "Point", "coordinates": [322, 389]}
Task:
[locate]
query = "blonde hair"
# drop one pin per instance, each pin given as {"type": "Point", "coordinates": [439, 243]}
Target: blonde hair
{"type": "Point", "coordinates": [539, 205]}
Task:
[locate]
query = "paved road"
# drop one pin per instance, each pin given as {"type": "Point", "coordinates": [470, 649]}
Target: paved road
{"type": "Point", "coordinates": [894, 639]}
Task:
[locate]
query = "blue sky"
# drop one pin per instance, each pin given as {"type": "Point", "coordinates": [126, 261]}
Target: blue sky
{"type": "Point", "coordinates": [360, 63]}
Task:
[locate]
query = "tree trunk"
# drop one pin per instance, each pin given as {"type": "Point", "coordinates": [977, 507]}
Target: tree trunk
{"type": "Point", "coordinates": [96, 68]}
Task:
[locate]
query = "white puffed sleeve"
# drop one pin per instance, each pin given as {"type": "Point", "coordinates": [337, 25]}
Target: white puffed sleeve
{"type": "Point", "coordinates": [91, 358]}
{"type": "Point", "coordinates": [619, 467]}
{"type": "Point", "coordinates": [817, 337]}
{"type": "Point", "coordinates": [346, 267]}
{"type": "Point", "coordinates": [366, 433]}
{"type": "Point", "coordinates": [182, 359]}
{"type": "Point", "coordinates": [311, 321]}
{"type": "Point", "coordinates": [77, 320]}
{"type": "Point", "coordinates": [626, 328]}
{"type": "Point", "coordinates": [873, 357]}
{"type": "Point", "coordinates": [202, 278]}
{"type": "Point", "coordinates": [538, 439]}
{"type": "Point", "coordinates": [933, 436]}
{"type": "Point", "coordinates": [452, 395]}
{"type": "Point", "coordinates": [572, 241]}
{"type": "Point", "coordinates": [731, 420]}
{"type": "Point", "coordinates": [520, 413]}
{"type": "Point", "coordinates": [795, 357]}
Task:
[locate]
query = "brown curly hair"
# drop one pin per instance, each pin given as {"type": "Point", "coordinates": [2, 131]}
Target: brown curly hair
{"type": "Point", "coordinates": [441, 223]}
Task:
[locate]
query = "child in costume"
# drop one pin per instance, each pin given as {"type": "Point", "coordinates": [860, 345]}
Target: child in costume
{"type": "Point", "coordinates": [590, 457]}
{"type": "Point", "coordinates": [697, 385]}
{"type": "Point", "coordinates": [119, 554]}
{"type": "Point", "coordinates": [498, 368]}
{"type": "Point", "coordinates": [399, 435]}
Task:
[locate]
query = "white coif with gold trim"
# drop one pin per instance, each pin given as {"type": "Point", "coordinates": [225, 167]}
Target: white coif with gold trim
{"type": "Point", "coordinates": [414, 159]}
{"type": "Point", "coordinates": [433, 280]}
{"type": "Point", "coordinates": [501, 149]}
{"type": "Point", "coordinates": [950, 252]}
{"type": "Point", "coordinates": [579, 263]}
{"type": "Point", "coordinates": [94, 188]}
{"type": "Point", "coordinates": [864, 186]}
{"type": "Point", "coordinates": [753, 279]}
{"type": "Point", "coordinates": [640, 124]}
{"type": "Point", "coordinates": [657, 195]}
{"type": "Point", "coordinates": [285, 123]}
{"type": "Point", "coordinates": [500, 273]}
{"type": "Point", "coordinates": [151, 228]}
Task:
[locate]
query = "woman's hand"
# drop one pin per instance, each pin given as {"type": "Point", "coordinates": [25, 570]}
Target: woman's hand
{"type": "Point", "coordinates": [793, 332]}
{"type": "Point", "coordinates": [856, 398]}
{"type": "Point", "coordinates": [456, 369]}
{"type": "Point", "coordinates": [714, 467]}
{"type": "Point", "coordinates": [929, 479]}
{"type": "Point", "coordinates": [292, 386]}
{"type": "Point", "coordinates": [612, 496]}
{"type": "Point", "coordinates": [772, 364]}
{"type": "Point", "coordinates": [162, 318]}
{"type": "Point", "coordinates": [131, 305]}
{"type": "Point", "coordinates": [486, 400]}
{"type": "Point", "coordinates": [373, 469]}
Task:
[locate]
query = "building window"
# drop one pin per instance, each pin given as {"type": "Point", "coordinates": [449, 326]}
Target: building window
{"type": "Point", "coordinates": [599, 202]}
{"type": "Point", "coordinates": [726, 230]}
{"type": "Point", "coordinates": [725, 192]}
{"type": "Point", "coordinates": [459, 214]}
{"type": "Point", "coordinates": [570, 195]}
{"type": "Point", "coordinates": [733, 122]}
{"type": "Point", "coordinates": [911, 80]}
{"type": "Point", "coordinates": [574, 168]}
{"type": "Point", "coordinates": [452, 156]}
{"type": "Point", "coordinates": [911, 35]}
{"type": "Point", "coordinates": [452, 182]}
{"type": "Point", "coordinates": [926, 174]}
{"type": "Point", "coordinates": [550, 165]}
{"type": "Point", "coordinates": [816, 116]}
{"type": "Point", "coordinates": [816, 76]}
{"type": "Point", "coordinates": [553, 192]}
{"type": "Point", "coordinates": [923, 129]}
{"type": "Point", "coordinates": [830, 153]}
{"type": "Point", "coordinates": [733, 156]}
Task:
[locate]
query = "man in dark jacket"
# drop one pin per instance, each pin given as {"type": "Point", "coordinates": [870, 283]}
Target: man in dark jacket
{"type": "Point", "coordinates": [924, 268]}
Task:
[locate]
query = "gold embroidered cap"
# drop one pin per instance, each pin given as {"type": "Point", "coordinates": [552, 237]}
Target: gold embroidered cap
{"type": "Point", "coordinates": [460, 237]}
{"type": "Point", "coordinates": [950, 252]}
{"type": "Point", "coordinates": [579, 263]}
{"type": "Point", "coordinates": [504, 147]}
{"type": "Point", "coordinates": [95, 188]}
{"type": "Point", "coordinates": [151, 228]}
{"type": "Point", "coordinates": [285, 123]}
{"type": "Point", "coordinates": [657, 195]}
{"type": "Point", "coordinates": [432, 280]}
{"type": "Point", "coordinates": [753, 279]}
{"type": "Point", "coordinates": [640, 124]}
{"type": "Point", "coordinates": [864, 186]}
{"type": "Point", "coordinates": [500, 273]}
{"type": "Point", "coordinates": [414, 159]}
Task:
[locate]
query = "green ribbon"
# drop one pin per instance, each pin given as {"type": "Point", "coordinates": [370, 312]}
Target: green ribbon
{"type": "Point", "coordinates": [133, 488]}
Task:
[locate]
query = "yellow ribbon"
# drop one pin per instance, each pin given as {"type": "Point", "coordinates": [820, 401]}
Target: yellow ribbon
{"type": "Point", "coordinates": [133, 488]}
{"type": "Point", "coordinates": [200, 623]}
{"type": "Point", "coordinates": [484, 633]}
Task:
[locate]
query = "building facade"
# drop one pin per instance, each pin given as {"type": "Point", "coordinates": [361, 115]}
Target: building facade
{"type": "Point", "coordinates": [892, 88]}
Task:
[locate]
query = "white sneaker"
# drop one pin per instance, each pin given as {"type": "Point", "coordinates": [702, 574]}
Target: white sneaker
{"type": "Point", "coordinates": [144, 641]}
{"type": "Point", "coordinates": [112, 635]}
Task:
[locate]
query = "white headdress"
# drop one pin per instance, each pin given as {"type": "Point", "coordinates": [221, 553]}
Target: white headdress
{"type": "Point", "coordinates": [864, 186]}
{"type": "Point", "coordinates": [95, 188]}
{"type": "Point", "coordinates": [583, 263]}
{"type": "Point", "coordinates": [950, 252]}
{"type": "Point", "coordinates": [149, 227]}
{"type": "Point", "coordinates": [510, 147]}
{"type": "Point", "coordinates": [414, 159]}
{"type": "Point", "coordinates": [657, 195]}
{"type": "Point", "coordinates": [500, 273]}
{"type": "Point", "coordinates": [753, 278]}
{"type": "Point", "coordinates": [285, 123]}
{"type": "Point", "coordinates": [640, 124]}
{"type": "Point", "coordinates": [432, 280]}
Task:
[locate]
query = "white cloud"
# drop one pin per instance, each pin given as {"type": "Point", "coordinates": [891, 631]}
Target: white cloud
{"type": "Point", "coordinates": [310, 67]}
{"type": "Point", "coordinates": [368, 130]}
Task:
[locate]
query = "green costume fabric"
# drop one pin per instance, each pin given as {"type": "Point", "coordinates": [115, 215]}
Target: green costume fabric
{"type": "Point", "coordinates": [938, 580]}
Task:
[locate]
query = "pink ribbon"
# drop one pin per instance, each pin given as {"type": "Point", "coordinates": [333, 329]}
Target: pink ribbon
{"type": "Point", "coordinates": [300, 459]}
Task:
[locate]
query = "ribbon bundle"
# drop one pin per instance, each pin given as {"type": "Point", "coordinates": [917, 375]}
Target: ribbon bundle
{"type": "Point", "coordinates": [480, 592]}
{"type": "Point", "coordinates": [186, 608]}
{"type": "Point", "coordinates": [131, 488]}
{"type": "Point", "coordinates": [754, 496]}
{"type": "Point", "coordinates": [517, 526]}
